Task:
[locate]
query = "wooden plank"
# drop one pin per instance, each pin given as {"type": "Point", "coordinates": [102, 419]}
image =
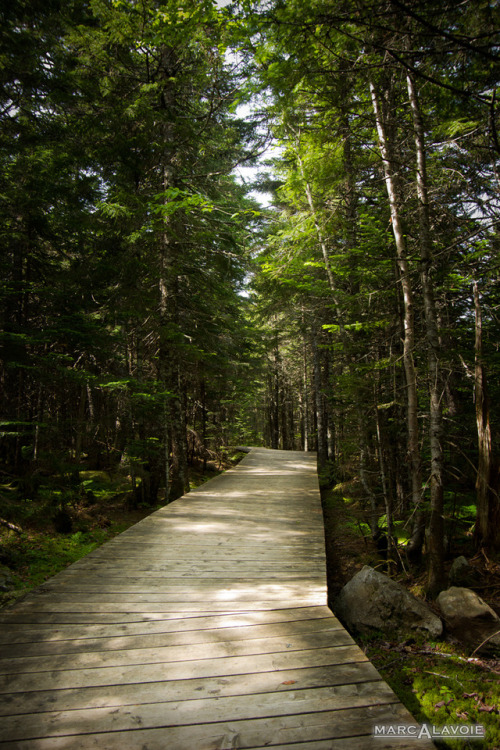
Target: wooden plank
{"type": "Point", "coordinates": [169, 690]}
{"type": "Point", "coordinates": [140, 567]}
{"type": "Point", "coordinates": [46, 633]}
{"type": "Point", "coordinates": [165, 654]}
{"type": "Point", "coordinates": [54, 618]}
{"type": "Point", "coordinates": [141, 615]}
{"type": "Point", "coordinates": [172, 606]}
{"type": "Point", "coordinates": [267, 732]}
{"type": "Point", "coordinates": [175, 576]}
{"type": "Point", "coordinates": [38, 646]}
{"type": "Point", "coordinates": [205, 544]}
{"type": "Point", "coordinates": [197, 550]}
{"type": "Point", "coordinates": [155, 623]}
{"type": "Point", "coordinates": [199, 711]}
{"type": "Point", "coordinates": [264, 585]}
{"type": "Point", "coordinates": [181, 670]}
{"type": "Point", "coordinates": [186, 592]}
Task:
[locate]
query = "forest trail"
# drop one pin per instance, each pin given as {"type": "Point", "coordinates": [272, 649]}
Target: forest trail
{"type": "Point", "coordinates": [203, 627]}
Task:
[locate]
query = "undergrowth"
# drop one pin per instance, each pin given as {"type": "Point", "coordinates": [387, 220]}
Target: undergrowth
{"type": "Point", "coordinates": [440, 682]}
{"type": "Point", "coordinates": [35, 556]}
{"type": "Point", "coordinates": [441, 685]}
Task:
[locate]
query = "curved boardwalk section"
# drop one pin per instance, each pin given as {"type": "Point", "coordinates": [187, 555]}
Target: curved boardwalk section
{"type": "Point", "coordinates": [203, 627]}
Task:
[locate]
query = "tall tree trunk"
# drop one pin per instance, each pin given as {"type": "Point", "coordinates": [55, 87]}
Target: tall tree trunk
{"type": "Point", "coordinates": [204, 436]}
{"type": "Point", "coordinates": [364, 455]}
{"type": "Point", "coordinates": [330, 423]}
{"type": "Point", "coordinates": [163, 356]}
{"type": "Point", "coordinates": [275, 396]}
{"type": "Point", "coordinates": [174, 432]}
{"type": "Point", "coordinates": [80, 424]}
{"type": "Point", "coordinates": [386, 489]}
{"type": "Point", "coordinates": [435, 579]}
{"type": "Point", "coordinates": [321, 427]}
{"type": "Point", "coordinates": [417, 539]}
{"type": "Point", "coordinates": [487, 531]}
{"type": "Point", "coordinates": [305, 399]}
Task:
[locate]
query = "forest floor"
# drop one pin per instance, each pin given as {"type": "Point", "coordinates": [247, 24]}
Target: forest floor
{"type": "Point", "coordinates": [440, 682]}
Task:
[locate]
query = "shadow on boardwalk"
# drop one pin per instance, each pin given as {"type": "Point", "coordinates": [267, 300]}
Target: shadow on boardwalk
{"type": "Point", "coordinates": [203, 627]}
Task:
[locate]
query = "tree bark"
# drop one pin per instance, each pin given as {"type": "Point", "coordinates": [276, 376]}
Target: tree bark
{"type": "Point", "coordinates": [487, 530]}
{"type": "Point", "coordinates": [321, 427]}
{"type": "Point", "coordinates": [417, 539]}
{"type": "Point", "coordinates": [435, 579]}
{"type": "Point", "coordinates": [305, 399]}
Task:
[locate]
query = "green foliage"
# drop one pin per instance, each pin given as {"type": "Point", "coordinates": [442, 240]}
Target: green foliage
{"type": "Point", "coordinates": [37, 556]}
{"type": "Point", "coordinates": [441, 685]}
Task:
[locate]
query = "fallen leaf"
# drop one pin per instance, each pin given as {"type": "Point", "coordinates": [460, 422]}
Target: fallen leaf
{"type": "Point", "coordinates": [289, 682]}
{"type": "Point", "coordinates": [443, 703]}
{"type": "Point", "coordinates": [487, 709]}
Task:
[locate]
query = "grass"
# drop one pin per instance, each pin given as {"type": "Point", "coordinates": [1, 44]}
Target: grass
{"type": "Point", "coordinates": [38, 555]}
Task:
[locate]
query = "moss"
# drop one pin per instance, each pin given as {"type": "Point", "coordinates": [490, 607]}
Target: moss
{"type": "Point", "coordinates": [36, 555]}
{"type": "Point", "coordinates": [440, 685]}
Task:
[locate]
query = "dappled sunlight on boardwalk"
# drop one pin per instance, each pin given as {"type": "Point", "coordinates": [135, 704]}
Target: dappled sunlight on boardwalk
{"type": "Point", "coordinates": [203, 627]}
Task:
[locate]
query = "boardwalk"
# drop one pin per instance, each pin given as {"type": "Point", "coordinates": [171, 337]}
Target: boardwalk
{"type": "Point", "coordinates": [203, 627]}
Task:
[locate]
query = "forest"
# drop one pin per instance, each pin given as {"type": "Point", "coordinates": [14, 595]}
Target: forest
{"type": "Point", "coordinates": [157, 308]}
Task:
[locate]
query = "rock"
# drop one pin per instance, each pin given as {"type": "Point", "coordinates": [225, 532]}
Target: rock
{"type": "Point", "coordinates": [372, 601]}
{"type": "Point", "coordinates": [6, 581]}
{"type": "Point", "coordinates": [63, 523]}
{"type": "Point", "coordinates": [461, 573]}
{"type": "Point", "coordinates": [469, 618]}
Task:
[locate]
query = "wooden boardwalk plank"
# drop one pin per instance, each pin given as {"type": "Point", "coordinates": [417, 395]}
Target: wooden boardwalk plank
{"type": "Point", "coordinates": [200, 711]}
{"type": "Point", "coordinates": [168, 690]}
{"type": "Point", "coordinates": [148, 624]}
{"type": "Point", "coordinates": [40, 646]}
{"type": "Point", "coordinates": [203, 627]}
{"type": "Point", "coordinates": [249, 733]}
{"type": "Point", "coordinates": [181, 670]}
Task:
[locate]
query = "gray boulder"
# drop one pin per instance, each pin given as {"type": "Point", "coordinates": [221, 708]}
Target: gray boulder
{"type": "Point", "coordinates": [461, 573]}
{"type": "Point", "coordinates": [469, 618]}
{"type": "Point", "coordinates": [6, 581]}
{"type": "Point", "coordinates": [372, 601]}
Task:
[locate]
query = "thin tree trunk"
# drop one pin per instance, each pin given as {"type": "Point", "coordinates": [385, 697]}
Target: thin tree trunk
{"type": "Point", "coordinates": [80, 423]}
{"type": "Point", "coordinates": [487, 531]}
{"type": "Point", "coordinates": [388, 500]}
{"type": "Point", "coordinates": [320, 415]}
{"type": "Point", "coordinates": [305, 400]}
{"type": "Point", "coordinates": [330, 424]}
{"type": "Point", "coordinates": [204, 436]}
{"type": "Point", "coordinates": [275, 400]}
{"type": "Point", "coordinates": [163, 359]}
{"type": "Point", "coordinates": [364, 454]}
{"type": "Point", "coordinates": [416, 541]}
{"type": "Point", "coordinates": [435, 579]}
